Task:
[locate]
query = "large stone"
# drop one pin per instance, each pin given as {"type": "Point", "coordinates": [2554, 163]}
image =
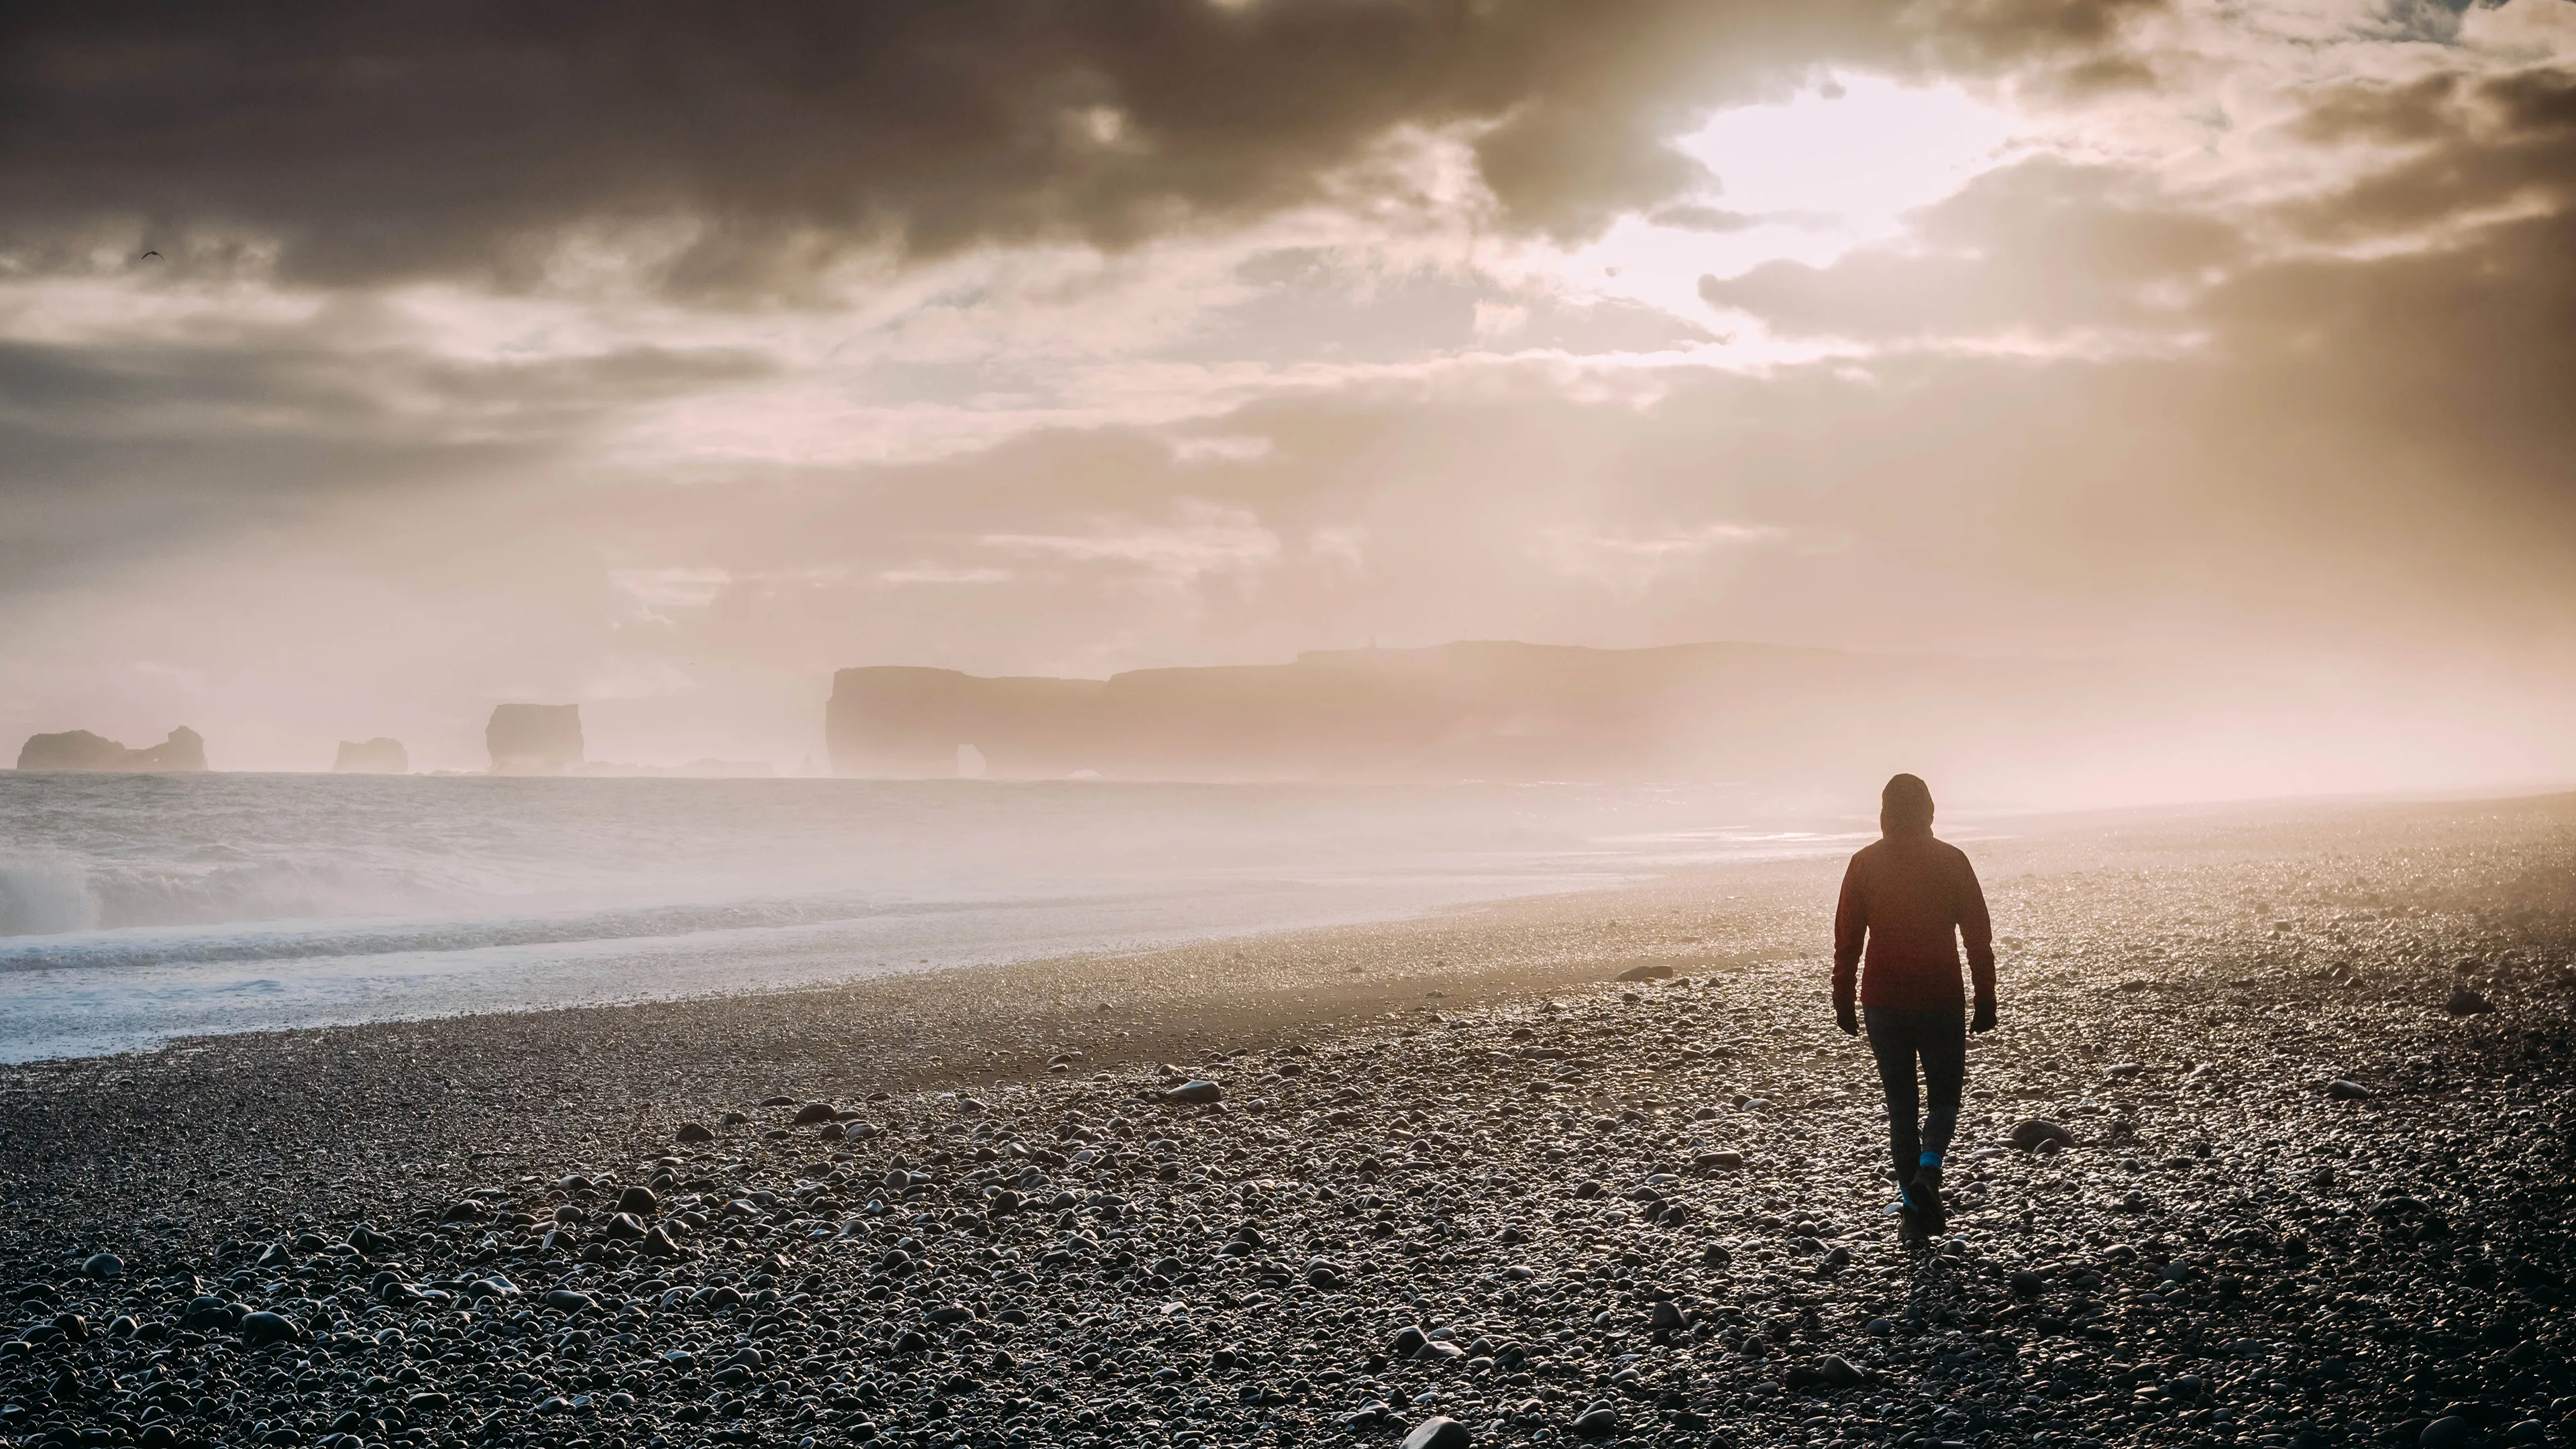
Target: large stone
{"type": "Point", "coordinates": [185, 749]}
{"type": "Point", "coordinates": [2448, 1432]}
{"type": "Point", "coordinates": [378, 756]}
{"type": "Point", "coordinates": [1439, 1432]}
{"type": "Point", "coordinates": [534, 739]}
{"type": "Point", "coordinates": [1830, 1372]}
{"type": "Point", "coordinates": [265, 1327]}
{"type": "Point", "coordinates": [208, 1312]}
{"type": "Point", "coordinates": [2036, 1132]}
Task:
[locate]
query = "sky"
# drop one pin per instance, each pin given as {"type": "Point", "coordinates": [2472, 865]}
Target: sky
{"type": "Point", "coordinates": [363, 368]}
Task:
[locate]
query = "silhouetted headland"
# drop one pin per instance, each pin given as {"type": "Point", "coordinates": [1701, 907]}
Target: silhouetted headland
{"type": "Point", "coordinates": [534, 739]}
{"type": "Point", "coordinates": [378, 756]}
{"type": "Point", "coordinates": [185, 749]}
{"type": "Point", "coordinates": [1480, 710]}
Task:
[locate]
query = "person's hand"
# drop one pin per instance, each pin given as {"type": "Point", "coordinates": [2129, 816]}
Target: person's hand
{"type": "Point", "coordinates": [1848, 1019]}
{"type": "Point", "coordinates": [1985, 1017]}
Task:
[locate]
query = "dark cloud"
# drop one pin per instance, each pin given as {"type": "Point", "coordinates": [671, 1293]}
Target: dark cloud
{"type": "Point", "coordinates": [2476, 144]}
{"type": "Point", "coordinates": [2073, 42]}
{"type": "Point", "coordinates": [413, 138]}
{"type": "Point", "coordinates": [2437, 22]}
{"type": "Point", "coordinates": [119, 452]}
{"type": "Point", "coordinates": [2408, 113]}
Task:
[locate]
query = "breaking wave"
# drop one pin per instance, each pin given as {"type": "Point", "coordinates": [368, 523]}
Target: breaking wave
{"type": "Point", "coordinates": [121, 870]}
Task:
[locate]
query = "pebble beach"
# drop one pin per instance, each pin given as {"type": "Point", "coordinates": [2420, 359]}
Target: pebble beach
{"type": "Point", "coordinates": [2272, 1147]}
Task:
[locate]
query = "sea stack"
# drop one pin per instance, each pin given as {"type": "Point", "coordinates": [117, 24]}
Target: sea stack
{"type": "Point", "coordinates": [534, 739]}
{"type": "Point", "coordinates": [81, 750]}
{"type": "Point", "coordinates": [378, 756]}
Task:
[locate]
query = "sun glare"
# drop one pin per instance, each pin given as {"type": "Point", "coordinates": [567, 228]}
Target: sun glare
{"type": "Point", "coordinates": [1837, 165]}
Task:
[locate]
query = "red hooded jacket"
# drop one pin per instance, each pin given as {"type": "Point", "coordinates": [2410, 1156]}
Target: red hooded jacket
{"type": "Point", "coordinates": [1913, 899]}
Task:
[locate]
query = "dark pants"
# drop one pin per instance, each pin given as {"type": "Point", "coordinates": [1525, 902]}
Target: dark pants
{"type": "Point", "coordinates": [1940, 1040]}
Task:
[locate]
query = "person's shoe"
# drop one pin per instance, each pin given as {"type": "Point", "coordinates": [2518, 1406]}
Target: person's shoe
{"type": "Point", "coordinates": [1909, 1227]}
{"type": "Point", "coordinates": [1923, 1200]}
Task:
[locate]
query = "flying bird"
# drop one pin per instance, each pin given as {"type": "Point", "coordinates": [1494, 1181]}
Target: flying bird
{"type": "Point", "coordinates": [150, 256]}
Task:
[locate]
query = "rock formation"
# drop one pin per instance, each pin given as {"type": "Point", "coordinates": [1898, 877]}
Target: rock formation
{"type": "Point", "coordinates": [72, 750]}
{"type": "Point", "coordinates": [1469, 711]}
{"type": "Point", "coordinates": [909, 722]}
{"type": "Point", "coordinates": [534, 739]}
{"type": "Point", "coordinates": [185, 749]}
{"type": "Point", "coordinates": [378, 756]}
{"type": "Point", "coordinates": [707, 769]}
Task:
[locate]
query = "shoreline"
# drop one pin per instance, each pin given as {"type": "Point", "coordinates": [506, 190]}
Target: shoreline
{"type": "Point", "coordinates": [1436, 1136]}
{"type": "Point", "coordinates": [591, 974]}
{"type": "Point", "coordinates": [240, 994]}
{"type": "Point", "coordinates": [480, 911]}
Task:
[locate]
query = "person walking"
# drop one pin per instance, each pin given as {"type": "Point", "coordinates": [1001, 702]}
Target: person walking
{"type": "Point", "coordinates": [1908, 903]}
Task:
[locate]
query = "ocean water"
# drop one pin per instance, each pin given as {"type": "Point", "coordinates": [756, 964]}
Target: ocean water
{"type": "Point", "coordinates": [134, 908]}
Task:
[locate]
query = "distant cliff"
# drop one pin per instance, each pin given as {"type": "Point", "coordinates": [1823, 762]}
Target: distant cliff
{"type": "Point", "coordinates": [372, 757]}
{"type": "Point", "coordinates": [534, 739]}
{"type": "Point", "coordinates": [81, 750]}
{"type": "Point", "coordinates": [707, 769]}
{"type": "Point", "coordinates": [1490, 711]}
{"type": "Point", "coordinates": [898, 721]}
